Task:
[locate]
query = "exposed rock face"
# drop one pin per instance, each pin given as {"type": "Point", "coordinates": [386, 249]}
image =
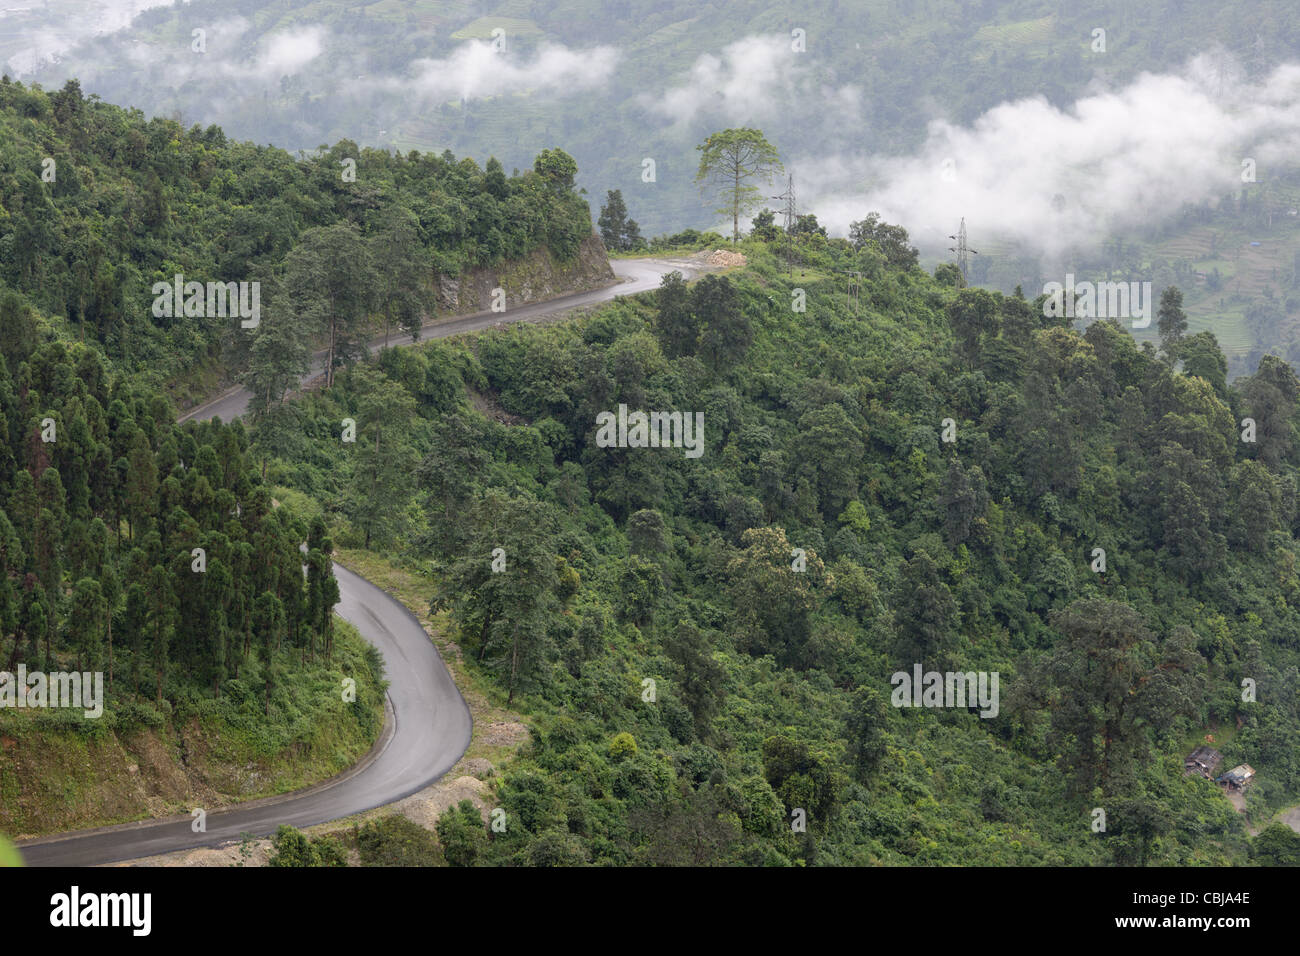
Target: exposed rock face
{"type": "Point", "coordinates": [536, 277]}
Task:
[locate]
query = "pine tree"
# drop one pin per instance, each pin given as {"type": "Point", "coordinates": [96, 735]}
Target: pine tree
{"type": "Point", "coordinates": [161, 622]}
{"type": "Point", "coordinates": [86, 623]}
{"type": "Point", "coordinates": [268, 624]}
{"type": "Point", "coordinates": [613, 221]}
{"type": "Point", "coordinates": [136, 621]}
{"type": "Point", "coordinates": [1171, 321]}
{"type": "Point", "coordinates": [141, 484]}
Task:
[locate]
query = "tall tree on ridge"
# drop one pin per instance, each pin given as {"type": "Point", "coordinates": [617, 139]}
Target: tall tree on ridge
{"type": "Point", "coordinates": [729, 161]}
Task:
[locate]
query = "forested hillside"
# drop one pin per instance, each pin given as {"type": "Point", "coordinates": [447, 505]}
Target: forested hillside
{"type": "Point", "coordinates": [155, 555]}
{"type": "Point", "coordinates": [98, 203]}
{"type": "Point", "coordinates": [155, 552]}
{"type": "Point", "coordinates": [631, 87]}
{"type": "Point", "coordinates": [900, 474]}
{"type": "Point", "coordinates": [877, 471]}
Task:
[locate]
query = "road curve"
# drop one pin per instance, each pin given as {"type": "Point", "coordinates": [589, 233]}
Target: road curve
{"type": "Point", "coordinates": [428, 724]}
{"type": "Point", "coordinates": [635, 275]}
{"type": "Point", "coordinates": [428, 729]}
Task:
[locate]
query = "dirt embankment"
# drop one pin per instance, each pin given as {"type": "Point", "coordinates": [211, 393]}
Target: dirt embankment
{"type": "Point", "coordinates": [54, 780]}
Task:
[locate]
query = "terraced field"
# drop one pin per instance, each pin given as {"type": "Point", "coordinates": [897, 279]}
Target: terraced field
{"type": "Point", "coordinates": [1028, 36]}
{"type": "Point", "coordinates": [481, 29]}
{"type": "Point", "coordinates": [1246, 269]}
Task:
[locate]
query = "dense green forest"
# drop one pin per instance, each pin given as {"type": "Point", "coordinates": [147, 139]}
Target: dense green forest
{"type": "Point", "coordinates": [98, 203]}
{"type": "Point", "coordinates": [575, 573]}
{"type": "Point", "coordinates": [150, 551]}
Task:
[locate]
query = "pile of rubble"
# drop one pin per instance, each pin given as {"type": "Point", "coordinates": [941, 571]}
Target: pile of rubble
{"type": "Point", "coordinates": [722, 259]}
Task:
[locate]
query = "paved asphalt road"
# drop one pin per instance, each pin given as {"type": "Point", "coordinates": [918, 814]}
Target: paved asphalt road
{"type": "Point", "coordinates": [429, 724]}
{"type": "Point", "coordinates": [636, 275]}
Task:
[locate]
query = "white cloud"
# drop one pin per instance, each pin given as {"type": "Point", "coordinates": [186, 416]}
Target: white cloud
{"type": "Point", "coordinates": [1055, 179]}
{"type": "Point", "coordinates": [754, 79]}
{"type": "Point", "coordinates": [476, 70]}
{"type": "Point", "coordinates": [287, 52]}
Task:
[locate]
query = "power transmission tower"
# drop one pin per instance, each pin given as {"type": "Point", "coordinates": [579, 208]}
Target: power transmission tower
{"type": "Point", "coordinates": [788, 197]}
{"type": "Point", "coordinates": [964, 253]}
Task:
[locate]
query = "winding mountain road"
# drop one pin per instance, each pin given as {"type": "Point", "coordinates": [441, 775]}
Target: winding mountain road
{"type": "Point", "coordinates": [635, 275]}
{"type": "Point", "coordinates": [428, 723]}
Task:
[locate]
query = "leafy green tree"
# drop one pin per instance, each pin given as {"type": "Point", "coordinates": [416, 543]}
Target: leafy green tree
{"type": "Point", "coordinates": [268, 623]}
{"type": "Point", "coordinates": [803, 778]}
{"type": "Point", "coordinates": [396, 841]}
{"type": "Point", "coordinates": [679, 328]}
{"type": "Point", "coordinates": [23, 508]}
{"type": "Point", "coordinates": [292, 847]}
{"type": "Point", "coordinates": [1277, 845]}
{"type": "Point", "coordinates": [322, 590]}
{"type": "Point", "coordinates": [973, 315]}
{"type": "Point", "coordinates": [503, 613]}
{"type": "Point", "coordinates": [400, 278]}
{"type": "Point", "coordinates": [385, 462]}
{"type": "Point", "coordinates": [494, 179]}
{"type": "Point", "coordinates": [86, 623]}
{"type": "Point", "coordinates": [1258, 500]}
{"type": "Point", "coordinates": [1272, 393]}
{"type": "Point", "coordinates": [462, 835]}
{"type": "Point", "coordinates": [891, 240]}
{"type": "Point", "coordinates": [763, 226]}
{"type": "Point", "coordinates": [37, 623]}
{"type": "Point", "coordinates": [557, 168]}
{"type": "Point", "coordinates": [1134, 826]}
{"type": "Point", "coordinates": [806, 224]}
{"type": "Point", "coordinates": [694, 827]}
{"type": "Point", "coordinates": [278, 358]}
{"type": "Point", "coordinates": [647, 534]}
{"type": "Point", "coordinates": [774, 601]}
{"type": "Point", "coordinates": [329, 278]}
{"type": "Point", "coordinates": [830, 446]}
{"type": "Point", "coordinates": [642, 583]}
{"type": "Point", "coordinates": [141, 484]}
{"type": "Point", "coordinates": [1190, 511]}
{"type": "Point", "coordinates": [18, 338]}
{"type": "Point", "coordinates": [964, 500]}
{"type": "Point", "coordinates": [867, 731]}
{"type": "Point", "coordinates": [925, 613]}
{"type": "Point", "coordinates": [1202, 356]}
{"type": "Point", "coordinates": [1112, 684]}
{"type": "Point", "coordinates": [703, 678]}
{"type": "Point", "coordinates": [726, 333]}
